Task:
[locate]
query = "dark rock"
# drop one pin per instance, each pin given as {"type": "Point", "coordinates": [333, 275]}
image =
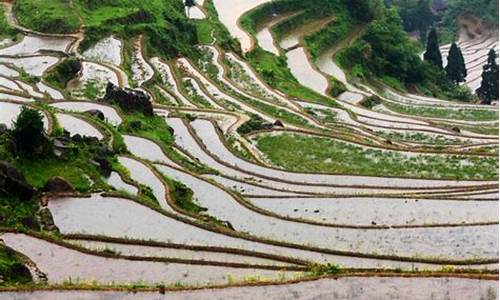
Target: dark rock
{"type": "Point", "coordinates": [456, 129]}
{"type": "Point", "coordinates": [103, 165]}
{"type": "Point", "coordinates": [228, 224]}
{"type": "Point", "coordinates": [58, 185]}
{"type": "Point", "coordinates": [388, 142]}
{"type": "Point", "coordinates": [12, 182]}
{"type": "Point", "coordinates": [374, 223]}
{"type": "Point", "coordinates": [278, 123]}
{"type": "Point", "coordinates": [129, 100]}
{"type": "Point", "coordinates": [30, 222]}
{"type": "Point", "coordinates": [316, 211]}
{"type": "Point", "coordinates": [96, 113]}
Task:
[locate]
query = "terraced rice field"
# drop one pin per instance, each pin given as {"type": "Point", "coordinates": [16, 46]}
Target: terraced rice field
{"type": "Point", "coordinates": [392, 201]}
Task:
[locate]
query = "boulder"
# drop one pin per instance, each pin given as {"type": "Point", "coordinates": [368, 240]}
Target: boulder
{"type": "Point", "coordinates": [62, 148]}
{"type": "Point", "coordinates": [129, 100]}
{"type": "Point", "coordinates": [58, 185]}
{"type": "Point", "coordinates": [95, 113]}
{"type": "Point", "coordinates": [12, 182]}
{"type": "Point", "coordinates": [104, 166]}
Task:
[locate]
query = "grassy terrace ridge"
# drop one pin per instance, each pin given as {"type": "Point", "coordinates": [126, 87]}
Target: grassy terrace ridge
{"type": "Point", "coordinates": [211, 30]}
{"type": "Point", "coordinates": [437, 112]}
{"type": "Point", "coordinates": [271, 68]}
{"type": "Point", "coordinates": [420, 137]}
{"type": "Point", "coordinates": [51, 16]}
{"type": "Point", "coordinates": [302, 153]}
{"type": "Point", "coordinates": [206, 65]}
{"type": "Point", "coordinates": [275, 72]}
{"type": "Point", "coordinates": [6, 31]}
{"type": "Point", "coordinates": [481, 129]}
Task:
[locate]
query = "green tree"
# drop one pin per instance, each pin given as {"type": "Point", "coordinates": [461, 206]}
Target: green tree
{"type": "Point", "coordinates": [385, 50]}
{"type": "Point", "coordinates": [416, 14]}
{"type": "Point", "coordinates": [365, 10]}
{"type": "Point", "coordinates": [28, 132]}
{"type": "Point", "coordinates": [455, 69]}
{"type": "Point", "coordinates": [433, 55]}
{"type": "Point", "coordinates": [488, 90]}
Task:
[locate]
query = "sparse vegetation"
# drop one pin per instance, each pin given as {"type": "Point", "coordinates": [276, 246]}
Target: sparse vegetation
{"type": "Point", "coordinates": [437, 112]}
{"type": "Point", "coordinates": [315, 154]}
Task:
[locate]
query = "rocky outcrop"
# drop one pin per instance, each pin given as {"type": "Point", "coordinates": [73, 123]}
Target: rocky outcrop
{"type": "Point", "coordinates": [278, 123]}
{"type": "Point", "coordinates": [46, 220]}
{"type": "Point", "coordinates": [12, 182]}
{"type": "Point", "coordinates": [58, 185]}
{"type": "Point", "coordinates": [129, 100]}
{"type": "Point", "coordinates": [62, 147]}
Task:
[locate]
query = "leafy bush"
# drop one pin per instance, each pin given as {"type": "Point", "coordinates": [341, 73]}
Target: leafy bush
{"type": "Point", "coordinates": [28, 133]}
{"type": "Point", "coordinates": [64, 72]}
{"type": "Point", "coordinates": [336, 87]}
{"type": "Point", "coordinates": [255, 123]}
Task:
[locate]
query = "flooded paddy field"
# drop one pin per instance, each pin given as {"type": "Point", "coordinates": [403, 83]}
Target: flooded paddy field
{"type": "Point", "coordinates": [213, 172]}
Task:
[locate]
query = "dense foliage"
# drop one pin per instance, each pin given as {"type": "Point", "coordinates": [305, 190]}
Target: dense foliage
{"type": "Point", "coordinates": [416, 15]}
{"type": "Point", "coordinates": [164, 23]}
{"type": "Point", "coordinates": [419, 15]}
{"type": "Point", "coordinates": [486, 10]}
{"type": "Point", "coordinates": [385, 50]}
{"type": "Point", "coordinates": [54, 16]}
{"type": "Point", "coordinates": [5, 29]}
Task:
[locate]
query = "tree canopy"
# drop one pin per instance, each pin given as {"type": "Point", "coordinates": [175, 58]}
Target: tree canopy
{"type": "Point", "coordinates": [455, 68]}
{"type": "Point", "coordinates": [488, 90]}
{"type": "Point", "coordinates": [432, 54]}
